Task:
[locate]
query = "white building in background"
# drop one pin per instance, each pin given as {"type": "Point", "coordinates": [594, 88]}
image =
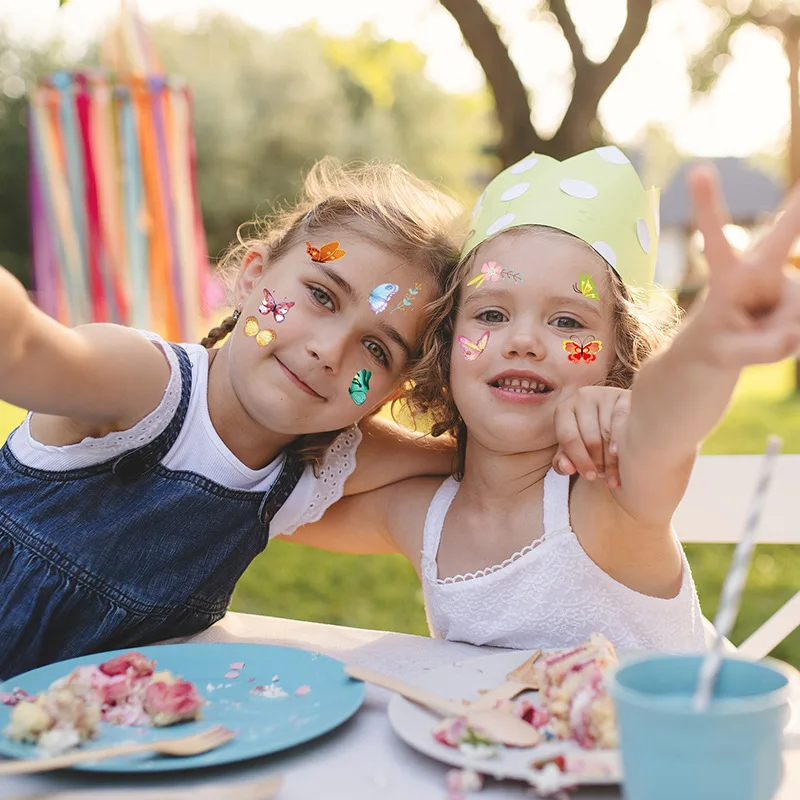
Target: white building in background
{"type": "Point", "coordinates": [751, 195]}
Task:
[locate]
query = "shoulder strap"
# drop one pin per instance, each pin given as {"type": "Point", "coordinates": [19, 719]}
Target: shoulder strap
{"type": "Point", "coordinates": [555, 508]}
{"type": "Point", "coordinates": [135, 463]}
{"type": "Point", "coordinates": [434, 519]}
{"type": "Point", "coordinates": [288, 478]}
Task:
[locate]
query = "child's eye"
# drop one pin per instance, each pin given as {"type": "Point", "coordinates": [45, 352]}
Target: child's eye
{"type": "Point", "coordinates": [321, 297]}
{"type": "Point", "coordinates": [566, 322]}
{"type": "Point", "coordinates": [378, 353]}
{"type": "Point", "coordinates": [492, 316]}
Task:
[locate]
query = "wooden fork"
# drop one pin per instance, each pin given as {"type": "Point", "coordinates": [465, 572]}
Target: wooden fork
{"type": "Point", "coordinates": [184, 746]}
{"type": "Point", "coordinates": [517, 681]}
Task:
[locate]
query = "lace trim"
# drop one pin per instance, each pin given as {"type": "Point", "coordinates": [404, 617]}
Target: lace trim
{"type": "Point", "coordinates": [148, 428]}
{"type": "Point", "coordinates": [337, 466]}
{"type": "Point", "coordinates": [144, 431]}
{"type": "Point", "coordinates": [431, 567]}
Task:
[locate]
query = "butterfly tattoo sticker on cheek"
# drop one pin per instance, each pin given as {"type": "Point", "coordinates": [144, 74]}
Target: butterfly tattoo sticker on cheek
{"type": "Point", "coordinates": [263, 337]}
{"type": "Point", "coordinates": [328, 252]}
{"type": "Point", "coordinates": [270, 305]}
{"type": "Point", "coordinates": [473, 349]}
{"type": "Point", "coordinates": [359, 387]}
{"type": "Point", "coordinates": [585, 351]}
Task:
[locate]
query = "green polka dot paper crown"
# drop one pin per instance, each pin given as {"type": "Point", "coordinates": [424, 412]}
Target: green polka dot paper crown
{"type": "Point", "coordinates": [596, 196]}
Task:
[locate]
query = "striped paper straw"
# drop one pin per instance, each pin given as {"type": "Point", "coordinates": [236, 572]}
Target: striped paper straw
{"type": "Point", "coordinates": [735, 580]}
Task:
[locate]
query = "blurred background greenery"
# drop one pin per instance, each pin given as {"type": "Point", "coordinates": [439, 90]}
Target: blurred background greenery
{"type": "Point", "coordinates": [269, 102]}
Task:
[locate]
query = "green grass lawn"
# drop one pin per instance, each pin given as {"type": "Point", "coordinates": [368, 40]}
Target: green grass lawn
{"type": "Point", "coordinates": [383, 592]}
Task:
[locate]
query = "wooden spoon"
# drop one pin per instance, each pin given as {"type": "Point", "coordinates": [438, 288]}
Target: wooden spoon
{"type": "Point", "coordinates": [494, 724]}
{"type": "Point", "coordinates": [517, 681]}
{"type": "Point", "coordinates": [191, 745]}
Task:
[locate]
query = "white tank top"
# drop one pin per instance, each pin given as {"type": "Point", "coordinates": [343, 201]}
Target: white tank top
{"type": "Point", "coordinates": [550, 594]}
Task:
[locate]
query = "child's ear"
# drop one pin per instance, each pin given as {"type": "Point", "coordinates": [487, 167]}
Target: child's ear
{"type": "Point", "coordinates": [253, 266]}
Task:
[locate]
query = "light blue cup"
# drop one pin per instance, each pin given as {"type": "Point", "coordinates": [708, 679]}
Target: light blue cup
{"type": "Point", "coordinates": [670, 752]}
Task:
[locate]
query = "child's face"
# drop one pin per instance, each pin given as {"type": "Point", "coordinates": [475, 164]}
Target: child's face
{"type": "Point", "coordinates": [302, 380]}
{"type": "Point", "coordinates": [530, 304]}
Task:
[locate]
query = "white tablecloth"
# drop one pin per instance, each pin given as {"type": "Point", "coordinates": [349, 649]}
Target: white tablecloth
{"type": "Point", "coordinates": [362, 760]}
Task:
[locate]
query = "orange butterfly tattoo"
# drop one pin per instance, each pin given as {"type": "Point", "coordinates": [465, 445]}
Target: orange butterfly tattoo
{"type": "Point", "coordinates": [328, 252]}
{"type": "Point", "coordinates": [582, 351]}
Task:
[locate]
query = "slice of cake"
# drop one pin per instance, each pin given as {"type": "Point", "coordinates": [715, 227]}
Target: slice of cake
{"type": "Point", "coordinates": [574, 695]}
{"type": "Point", "coordinates": [123, 691]}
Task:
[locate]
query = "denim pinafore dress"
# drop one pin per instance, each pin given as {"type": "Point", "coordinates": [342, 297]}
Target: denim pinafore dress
{"type": "Point", "coordinates": [122, 553]}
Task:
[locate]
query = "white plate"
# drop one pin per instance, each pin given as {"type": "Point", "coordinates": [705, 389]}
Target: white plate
{"type": "Point", "coordinates": [462, 681]}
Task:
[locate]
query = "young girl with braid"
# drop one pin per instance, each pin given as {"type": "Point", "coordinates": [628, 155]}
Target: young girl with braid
{"type": "Point", "coordinates": [150, 474]}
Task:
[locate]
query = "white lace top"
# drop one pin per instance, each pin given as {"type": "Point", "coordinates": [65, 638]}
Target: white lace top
{"type": "Point", "coordinates": [199, 449]}
{"type": "Point", "coordinates": [550, 594]}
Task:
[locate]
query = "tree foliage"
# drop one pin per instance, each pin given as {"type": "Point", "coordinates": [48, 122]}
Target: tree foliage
{"type": "Point", "coordinates": [732, 15]}
{"type": "Point", "coordinates": [265, 107]}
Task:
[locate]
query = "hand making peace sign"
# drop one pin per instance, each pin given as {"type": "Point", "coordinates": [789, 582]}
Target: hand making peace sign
{"type": "Point", "coordinates": [752, 312]}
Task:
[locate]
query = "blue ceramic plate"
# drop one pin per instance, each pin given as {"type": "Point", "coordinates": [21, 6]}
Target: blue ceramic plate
{"type": "Point", "coordinates": [263, 724]}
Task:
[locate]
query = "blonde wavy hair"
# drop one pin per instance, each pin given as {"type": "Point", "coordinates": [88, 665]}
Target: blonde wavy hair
{"type": "Point", "coordinates": [381, 202]}
{"type": "Point", "coordinates": [643, 322]}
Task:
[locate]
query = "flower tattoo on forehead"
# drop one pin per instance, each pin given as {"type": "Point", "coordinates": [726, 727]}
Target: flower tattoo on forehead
{"type": "Point", "coordinates": [408, 298]}
{"type": "Point", "coordinates": [492, 271]}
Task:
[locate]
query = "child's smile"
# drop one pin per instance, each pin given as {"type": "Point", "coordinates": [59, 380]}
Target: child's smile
{"type": "Point", "coordinates": [520, 386]}
{"type": "Point", "coordinates": [532, 330]}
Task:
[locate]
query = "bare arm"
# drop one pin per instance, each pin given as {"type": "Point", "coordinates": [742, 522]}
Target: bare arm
{"type": "Point", "coordinates": [751, 315]}
{"type": "Point", "coordinates": [100, 373]}
{"type": "Point", "coordinates": [385, 520]}
{"type": "Point", "coordinates": [390, 453]}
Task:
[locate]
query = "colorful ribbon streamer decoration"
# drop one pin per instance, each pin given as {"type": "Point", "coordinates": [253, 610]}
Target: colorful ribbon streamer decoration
{"type": "Point", "coordinates": [115, 218]}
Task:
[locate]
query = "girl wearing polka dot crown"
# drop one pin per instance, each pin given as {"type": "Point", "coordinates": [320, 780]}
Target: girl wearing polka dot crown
{"type": "Point", "coordinates": [544, 308]}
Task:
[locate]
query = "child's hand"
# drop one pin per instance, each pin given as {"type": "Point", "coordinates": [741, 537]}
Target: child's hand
{"type": "Point", "coordinates": [588, 426]}
{"type": "Point", "coordinates": [752, 313]}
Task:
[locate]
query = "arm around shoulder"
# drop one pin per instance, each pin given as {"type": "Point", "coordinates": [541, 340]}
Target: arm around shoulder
{"type": "Point", "coordinates": [390, 453]}
{"type": "Point", "coordinates": [385, 520]}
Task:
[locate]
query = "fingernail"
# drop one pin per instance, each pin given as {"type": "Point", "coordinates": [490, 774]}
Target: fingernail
{"type": "Point", "coordinates": [613, 482]}
{"type": "Point", "coordinates": [591, 475]}
{"type": "Point", "coordinates": [613, 448]}
{"type": "Point", "coordinates": [564, 465]}
{"type": "Point", "coordinates": [601, 474]}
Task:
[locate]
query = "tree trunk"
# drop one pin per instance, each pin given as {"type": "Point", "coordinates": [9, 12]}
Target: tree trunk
{"type": "Point", "coordinates": [580, 129]}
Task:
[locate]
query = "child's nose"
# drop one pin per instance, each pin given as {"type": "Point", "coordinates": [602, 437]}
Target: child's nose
{"type": "Point", "coordinates": [524, 342]}
{"type": "Point", "coordinates": [329, 351]}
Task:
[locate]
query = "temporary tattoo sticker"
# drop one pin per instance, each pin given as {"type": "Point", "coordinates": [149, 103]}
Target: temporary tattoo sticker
{"type": "Point", "coordinates": [263, 337]}
{"type": "Point", "coordinates": [473, 349]}
{"type": "Point", "coordinates": [380, 296]}
{"type": "Point", "coordinates": [359, 387]}
{"type": "Point", "coordinates": [270, 306]}
{"type": "Point", "coordinates": [492, 271]}
{"type": "Point", "coordinates": [408, 298]}
{"type": "Point", "coordinates": [585, 350]}
{"type": "Point", "coordinates": [328, 252]}
{"type": "Point", "coordinates": [586, 287]}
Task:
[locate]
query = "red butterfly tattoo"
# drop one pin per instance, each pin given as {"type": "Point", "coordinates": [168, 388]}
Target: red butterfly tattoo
{"type": "Point", "coordinates": [582, 351]}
